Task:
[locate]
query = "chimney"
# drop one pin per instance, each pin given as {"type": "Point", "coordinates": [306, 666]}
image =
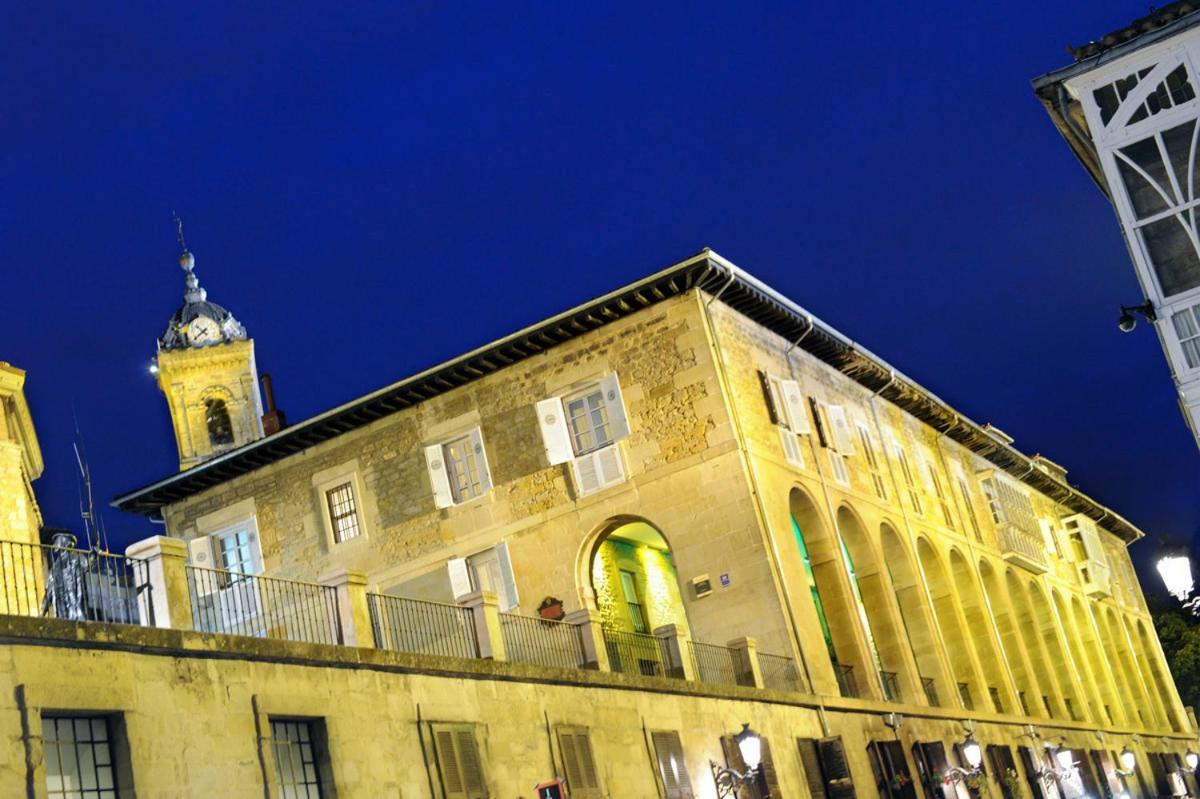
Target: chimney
{"type": "Point", "coordinates": [273, 420]}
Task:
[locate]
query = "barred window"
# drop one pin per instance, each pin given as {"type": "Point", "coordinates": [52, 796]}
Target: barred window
{"type": "Point", "coordinates": [343, 512]}
{"type": "Point", "coordinates": [78, 755]}
{"type": "Point", "coordinates": [296, 768]}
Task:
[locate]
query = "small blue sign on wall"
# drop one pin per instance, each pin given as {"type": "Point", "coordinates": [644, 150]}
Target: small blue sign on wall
{"type": "Point", "coordinates": [725, 581]}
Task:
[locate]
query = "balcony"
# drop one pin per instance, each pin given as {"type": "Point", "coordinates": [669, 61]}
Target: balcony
{"type": "Point", "coordinates": [1096, 579]}
{"type": "Point", "coordinates": [154, 586]}
{"type": "Point", "coordinates": [1022, 548]}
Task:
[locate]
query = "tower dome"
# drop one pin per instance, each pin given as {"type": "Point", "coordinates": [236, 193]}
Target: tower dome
{"type": "Point", "coordinates": [198, 322]}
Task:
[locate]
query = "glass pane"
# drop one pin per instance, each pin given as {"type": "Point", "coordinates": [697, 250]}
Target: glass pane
{"type": "Point", "coordinates": [1146, 197]}
{"type": "Point", "coordinates": [1178, 142]}
{"type": "Point", "coordinates": [1191, 351]}
{"type": "Point", "coordinates": [1172, 255]}
{"type": "Point", "coordinates": [1185, 325]}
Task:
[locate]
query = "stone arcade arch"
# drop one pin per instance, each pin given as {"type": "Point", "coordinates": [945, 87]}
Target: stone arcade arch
{"type": "Point", "coordinates": [631, 572]}
{"type": "Point", "coordinates": [1028, 690]}
{"type": "Point", "coordinates": [873, 591]}
{"type": "Point", "coordinates": [1155, 680]}
{"type": "Point", "coordinates": [945, 608]}
{"type": "Point", "coordinates": [1046, 623]}
{"type": "Point", "coordinates": [1102, 672]}
{"type": "Point", "coordinates": [831, 593]}
{"type": "Point", "coordinates": [916, 616]}
{"type": "Point", "coordinates": [998, 690]}
{"type": "Point", "coordinates": [1083, 665]}
{"type": "Point", "coordinates": [1049, 702]}
{"type": "Point", "coordinates": [1115, 649]}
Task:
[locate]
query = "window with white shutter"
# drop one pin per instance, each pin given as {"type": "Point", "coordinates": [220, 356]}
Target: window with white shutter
{"type": "Point", "coordinates": [458, 469]}
{"type": "Point", "coordinates": [672, 767]}
{"type": "Point", "coordinates": [914, 496]}
{"type": "Point", "coordinates": [575, 745]}
{"type": "Point", "coordinates": [584, 427]}
{"type": "Point", "coordinates": [837, 462]}
{"type": "Point", "coordinates": [843, 439]}
{"type": "Point", "coordinates": [489, 570]}
{"type": "Point", "coordinates": [458, 761]}
{"type": "Point", "coordinates": [789, 412]}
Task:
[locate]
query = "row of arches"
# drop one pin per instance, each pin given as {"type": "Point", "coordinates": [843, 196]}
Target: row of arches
{"type": "Point", "coordinates": [912, 624]}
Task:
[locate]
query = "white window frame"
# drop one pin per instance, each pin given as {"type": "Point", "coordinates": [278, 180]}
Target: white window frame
{"type": "Point", "coordinates": [446, 492]}
{"type": "Point", "coordinates": [205, 550]}
{"type": "Point", "coordinates": [837, 464]}
{"type": "Point", "coordinates": [464, 575]}
{"type": "Point", "coordinates": [594, 468]}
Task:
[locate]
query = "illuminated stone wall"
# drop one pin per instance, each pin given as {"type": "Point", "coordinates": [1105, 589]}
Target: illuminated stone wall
{"type": "Point", "coordinates": [20, 517]}
{"type": "Point", "coordinates": [657, 584]}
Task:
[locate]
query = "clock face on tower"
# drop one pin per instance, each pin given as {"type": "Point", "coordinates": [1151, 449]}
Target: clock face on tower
{"type": "Point", "coordinates": [203, 330]}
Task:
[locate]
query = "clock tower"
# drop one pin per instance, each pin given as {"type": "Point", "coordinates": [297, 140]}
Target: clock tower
{"type": "Point", "coordinates": [206, 369]}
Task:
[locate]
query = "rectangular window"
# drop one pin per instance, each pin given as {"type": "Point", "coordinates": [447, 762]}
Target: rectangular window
{"type": "Point", "coordinates": [462, 467]}
{"type": "Point", "coordinates": [637, 613]}
{"type": "Point", "coordinates": [78, 756]}
{"type": "Point", "coordinates": [672, 767]}
{"type": "Point", "coordinates": [458, 761]}
{"type": "Point", "coordinates": [587, 417]}
{"type": "Point", "coordinates": [943, 502]}
{"type": "Point", "coordinates": [458, 469]}
{"type": "Point", "coordinates": [1187, 330]}
{"type": "Point", "coordinates": [825, 768]}
{"type": "Point", "coordinates": [298, 750]}
{"type": "Point", "coordinates": [343, 512]}
{"type": "Point", "coordinates": [914, 496]}
{"type": "Point", "coordinates": [490, 570]}
{"type": "Point", "coordinates": [576, 748]}
{"type": "Point", "coordinates": [868, 446]}
{"type": "Point", "coordinates": [236, 549]}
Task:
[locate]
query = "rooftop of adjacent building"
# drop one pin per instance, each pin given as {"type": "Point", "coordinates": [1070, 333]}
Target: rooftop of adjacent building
{"type": "Point", "coordinates": [706, 271]}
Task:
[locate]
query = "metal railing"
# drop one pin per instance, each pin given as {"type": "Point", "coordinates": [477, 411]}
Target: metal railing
{"type": "Point", "coordinates": [74, 584]}
{"type": "Point", "coordinates": [931, 694]}
{"type": "Point", "coordinates": [542, 642]}
{"type": "Point", "coordinates": [847, 684]}
{"type": "Point", "coordinates": [891, 685]}
{"type": "Point", "coordinates": [401, 624]}
{"type": "Point", "coordinates": [637, 653]}
{"type": "Point", "coordinates": [719, 665]}
{"type": "Point", "coordinates": [779, 673]}
{"type": "Point", "coordinates": [263, 607]}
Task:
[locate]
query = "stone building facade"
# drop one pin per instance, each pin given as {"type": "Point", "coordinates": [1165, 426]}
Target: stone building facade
{"type": "Point", "coordinates": [693, 455]}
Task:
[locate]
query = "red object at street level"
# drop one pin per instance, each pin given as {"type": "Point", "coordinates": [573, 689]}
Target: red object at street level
{"type": "Point", "coordinates": [554, 789]}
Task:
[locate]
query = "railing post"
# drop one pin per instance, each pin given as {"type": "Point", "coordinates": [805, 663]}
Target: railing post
{"type": "Point", "coordinates": [679, 650]}
{"type": "Point", "coordinates": [591, 630]}
{"type": "Point", "coordinates": [352, 612]}
{"type": "Point", "coordinates": [747, 652]}
{"type": "Point", "coordinates": [485, 610]}
{"type": "Point", "coordinates": [168, 603]}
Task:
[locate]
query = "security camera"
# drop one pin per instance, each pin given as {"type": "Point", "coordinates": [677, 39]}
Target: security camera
{"type": "Point", "coordinates": [1126, 322]}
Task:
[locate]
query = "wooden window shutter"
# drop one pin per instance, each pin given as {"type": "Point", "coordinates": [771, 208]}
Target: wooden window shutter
{"type": "Point", "coordinates": [448, 766]}
{"type": "Point", "coordinates": [811, 761]}
{"type": "Point", "coordinates": [435, 462]}
{"type": "Point", "coordinates": [460, 577]}
{"type": "Point", "coordinates": [819, 422]}
{"type": "Point", "coordinates": [485, 473]}
{"type": "Point", "coordinates": [555, 436]}
{"type": "Point", "coordinates": [200, 553]}
{"type": "Point", "coordinates": [618, 422]}
{"type": "Point", "coordinates": [468, 759]}
{"type": "Point", "coordinates": [797, 411]}
{"type": "Point", "coordinates": [672, 766]}
{"type": "Point", "coordinates": [511, 599]}
{"type": "Point", "coordinates": [776, 414]}
{"type": "Point", "coordinates": [881, 777]}
{"type": "Point", "coordinates": [838, 782]}
{"type": "Point", "coordinates": [576, 748]}
{"type": "Point", "coordinates": [843, 439]}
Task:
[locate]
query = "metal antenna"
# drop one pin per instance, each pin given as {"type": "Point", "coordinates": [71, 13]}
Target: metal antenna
{"type": "Point", "coordinates": [179, 228]}
{"type": "Point", "coordinates": [87, 504]}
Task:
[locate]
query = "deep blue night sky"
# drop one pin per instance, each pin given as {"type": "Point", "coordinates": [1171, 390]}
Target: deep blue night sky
{"type": "Point", "coordinates": [373, 188]}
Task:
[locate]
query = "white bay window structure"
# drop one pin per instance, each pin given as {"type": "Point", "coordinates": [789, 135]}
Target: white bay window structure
{"type": "Point", "coordinates": [1128, 108]}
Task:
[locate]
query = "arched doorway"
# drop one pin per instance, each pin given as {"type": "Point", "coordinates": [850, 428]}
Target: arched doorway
{"type": "Point", "coordinates": [828, 586]}
{"type": "Point", "coordinates": [633, 578]}
{"type": "Point", "coordinates": [915, 615]}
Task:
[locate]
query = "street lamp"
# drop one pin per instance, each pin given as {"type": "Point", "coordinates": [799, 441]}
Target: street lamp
{"type": "Point", "coordinates": [973, 754]}
{"type": "Point", "coordinates": [1192, 759]}
{"type": "Point", "coordinates": [728, 781]}
{"type": "Point", "coordinates": [1128, 762]}
{"type": "Point", "coordinates": [1176, 571]}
